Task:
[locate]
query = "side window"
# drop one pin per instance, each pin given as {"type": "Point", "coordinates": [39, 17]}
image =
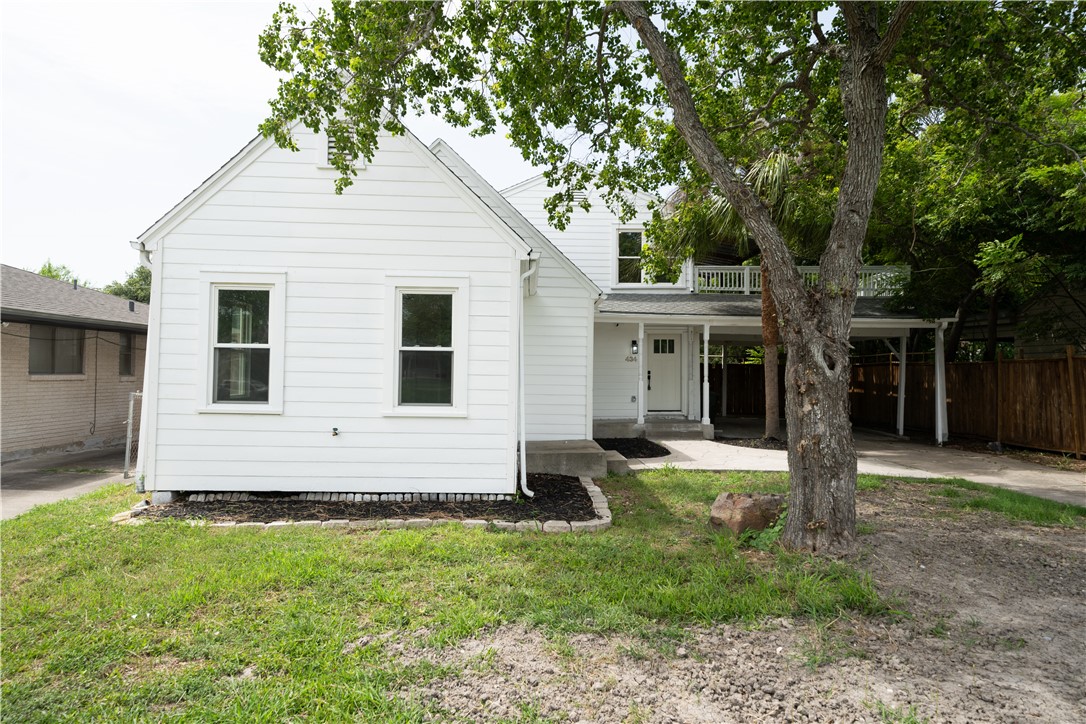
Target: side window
{"type": "Point", "coordinates": [427, 358]}
{"type": "Point", "coordinates": [55, 350]}
{"type": "Point", "coordinates": [242, 342]}
{"type": "Point", "coordinates": [126, 354]}
{"type": "Point", "coordinates": [426, 349]}
{"type": "Point", "coordinates": [242, 348]}
{"type": "Point", "coordinates": [629, 257]}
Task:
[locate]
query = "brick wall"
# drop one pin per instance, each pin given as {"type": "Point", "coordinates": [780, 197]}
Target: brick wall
{"type": "Point", "coordinates": [54, 413]}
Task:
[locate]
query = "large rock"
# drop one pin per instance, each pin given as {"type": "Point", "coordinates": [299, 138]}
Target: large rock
{"type": "Point", "coordinates": [739, 512]}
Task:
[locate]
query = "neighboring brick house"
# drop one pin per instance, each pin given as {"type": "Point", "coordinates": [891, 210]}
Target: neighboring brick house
{"type": "Point", "coordinates": [71, 356]}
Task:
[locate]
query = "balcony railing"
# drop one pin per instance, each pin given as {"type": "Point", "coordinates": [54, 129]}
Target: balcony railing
{"type": "Point", "coordinates": [874, 281]}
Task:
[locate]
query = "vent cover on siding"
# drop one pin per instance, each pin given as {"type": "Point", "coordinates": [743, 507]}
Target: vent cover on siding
{"type": "Point", "coordinates": [580, 197]}
{"type": "Point", "coordinates": [332, 150]}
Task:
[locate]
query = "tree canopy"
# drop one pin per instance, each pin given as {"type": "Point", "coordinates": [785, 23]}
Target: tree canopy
{"type": "Point", "coordinates": [136, 286]}
{"type": "Point", "coordinates": [631, 96]}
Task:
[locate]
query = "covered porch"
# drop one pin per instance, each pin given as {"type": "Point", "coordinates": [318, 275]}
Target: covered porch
{"type": "Point", "coordinates": [652, 361]}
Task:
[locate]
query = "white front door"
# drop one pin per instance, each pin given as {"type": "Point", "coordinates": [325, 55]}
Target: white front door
{"type": "Point", "coordinates": [664, 373]}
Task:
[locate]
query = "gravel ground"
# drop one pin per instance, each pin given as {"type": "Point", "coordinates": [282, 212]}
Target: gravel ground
{"type": "Point", "coordinates": [995, 631]}
{"type": "Point", "coordinates": [757, 442]}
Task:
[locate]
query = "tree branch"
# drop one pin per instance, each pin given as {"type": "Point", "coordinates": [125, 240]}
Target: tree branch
{"type": "Point", "coordinates": [898, 21]}
{"type": "Point", "coordinates": [687, 121]}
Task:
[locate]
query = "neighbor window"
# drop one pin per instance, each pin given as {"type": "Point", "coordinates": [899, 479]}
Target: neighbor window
{"type": "Point", "coordinates": [427, 334]}
{"type": "Point", "coordinates": [55, 350]}
{"type": "Point", "coordinates": [629, 257]}
{"type": "Point", "coordinates": [126, 354]}
{"type": "Point", "coordinates": [243, 347]}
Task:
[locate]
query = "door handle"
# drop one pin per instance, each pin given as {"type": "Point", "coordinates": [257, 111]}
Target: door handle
{"type": "Point", "coordinates": [650, 379]}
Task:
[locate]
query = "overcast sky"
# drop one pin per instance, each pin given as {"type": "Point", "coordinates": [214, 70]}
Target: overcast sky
{"type": "Point", "coordinates": [112, 112]}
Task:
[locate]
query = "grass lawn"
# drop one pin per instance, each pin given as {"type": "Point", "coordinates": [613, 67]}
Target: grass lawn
{"type": "Point", "coordinates": [172, 622]}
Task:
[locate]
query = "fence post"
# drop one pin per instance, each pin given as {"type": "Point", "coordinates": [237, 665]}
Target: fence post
{"type": "Point", "coordinates": [999, 396]}
{"type": "Point", "coordinates": [1075, 409]}
{"type": "Point", "coordinates": [128, 434]}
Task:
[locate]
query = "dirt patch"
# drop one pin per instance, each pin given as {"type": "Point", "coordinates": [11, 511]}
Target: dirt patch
{"type": "Point", "coordinates": [557, 497]}
{"type": "Point", "coordinates": [993, 630]}
{"type": "Point", "coordinates": [633, 447]}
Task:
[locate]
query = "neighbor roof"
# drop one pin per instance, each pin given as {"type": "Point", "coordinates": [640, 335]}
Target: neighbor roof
{"type": "Point", "coordinates": [29, 297]}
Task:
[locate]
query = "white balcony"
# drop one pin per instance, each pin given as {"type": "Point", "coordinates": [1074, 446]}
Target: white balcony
{"type": "Point", "coordinates": [874, 281]}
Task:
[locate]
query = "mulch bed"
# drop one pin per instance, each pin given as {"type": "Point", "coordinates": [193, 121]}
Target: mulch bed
{"type": "Point", "coordinates": [757, 442]}
{"type": "Point", "coordinates": [633, 447]}
{"type": "Point", "coordinates": [557, 497]}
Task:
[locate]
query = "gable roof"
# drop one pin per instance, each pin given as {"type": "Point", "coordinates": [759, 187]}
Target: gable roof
{"type": "Point", "coordinates": [506, 211]}
{"type": "Point", "coordinates": [252, 150]}
{"type": "Point", "coordinates": [29, 297]}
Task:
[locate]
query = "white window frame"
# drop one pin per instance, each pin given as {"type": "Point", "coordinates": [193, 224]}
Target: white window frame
{"type": "Point", "coordinates": [396, 285]}
{"type": "Point", "coordinates": [210, 284]}
{"type": "Point", "coordinates": [619, 230]}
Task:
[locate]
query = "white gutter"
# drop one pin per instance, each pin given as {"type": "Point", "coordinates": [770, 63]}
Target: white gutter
{"type": "Point", "coordinates": [533, 267]}
{"type": "Point", "coordinates": [145, 255]}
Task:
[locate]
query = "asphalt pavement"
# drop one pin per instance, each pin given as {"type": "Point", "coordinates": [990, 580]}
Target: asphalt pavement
{"type": "Point", "coordinates": [47, 479]}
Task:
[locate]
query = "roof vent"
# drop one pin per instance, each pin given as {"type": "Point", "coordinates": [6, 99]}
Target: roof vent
{"type": "Point", "coordinates": [75, 284]}
{"type": "Point", "coordinates": [131, 306]}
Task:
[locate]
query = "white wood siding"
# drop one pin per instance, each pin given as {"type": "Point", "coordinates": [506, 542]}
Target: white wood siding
{"type": "Point", "coordinates": [589, 240]}
{"type": "Point", "coordinates": [615, 377]}
{"type": "Point", "coordinates": [403, 215]}
{"type": "Point", "coordinates": [557, 347]}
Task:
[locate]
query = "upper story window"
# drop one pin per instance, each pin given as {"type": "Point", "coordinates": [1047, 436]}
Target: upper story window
{"type": "Point", "coordinates": [56, 350]}
{"type": "Point", "coordinates": [243, 342]}
{"type": "Point", "coordinates": [126, 354]}
{"type": "Point", "coordinates": [629, 257]}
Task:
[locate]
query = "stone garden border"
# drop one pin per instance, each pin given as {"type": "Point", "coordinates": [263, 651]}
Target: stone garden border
{"type": "Point", "coordinates": [599, 503]}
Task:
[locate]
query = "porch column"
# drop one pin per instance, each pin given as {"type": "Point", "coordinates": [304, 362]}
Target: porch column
{"type": "Point", "coordinates": [902, 356]}
{"type": "Point", "coordinates": [641, 373]}
{"type": "Point", "coordinates": [940, 388]}
{"type": "Point", "coordinates": [706, 420]}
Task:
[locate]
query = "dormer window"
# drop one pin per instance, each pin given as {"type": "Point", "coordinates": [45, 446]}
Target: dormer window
{"type": "Point", "coordinates": [629, 257]}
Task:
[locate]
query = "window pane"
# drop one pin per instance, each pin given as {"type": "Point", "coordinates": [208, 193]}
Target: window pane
{"type": "Point", "coordinates": [68, 351]}
{"type": "Point", "coordinates": [126, 353]}
{"type": "Point", "coordinates": [629, 271]}
{"type": "Point", "coordinates": [243, 316]}
{"type": "Point", "coordinates": [41, 350]}
{"type": "Point", "coordinates": [427, 320]}
{"type": "Point", "coordinates": [629, 243]}
{"type": "Point", "coordinates": [425, 378]}
{"type": "Point", "coordinates": [241, 375]}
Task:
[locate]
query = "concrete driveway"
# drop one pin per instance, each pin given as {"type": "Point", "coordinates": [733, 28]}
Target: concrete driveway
{"type": "Point", "coordinates": [880, 455]}
{"type": "Point", "coordinates": [26, 483]}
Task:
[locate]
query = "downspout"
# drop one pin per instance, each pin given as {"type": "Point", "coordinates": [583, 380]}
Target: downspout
{"type": "Point", "coordinates": [533, 267]}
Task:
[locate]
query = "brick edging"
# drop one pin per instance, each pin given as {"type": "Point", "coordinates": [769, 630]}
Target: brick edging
{"type": "Point", "coordinates": [599, 503]}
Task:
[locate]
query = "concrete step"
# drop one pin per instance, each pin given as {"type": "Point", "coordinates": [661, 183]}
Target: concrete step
{"type": "Point", "coordinates": [567, 457]}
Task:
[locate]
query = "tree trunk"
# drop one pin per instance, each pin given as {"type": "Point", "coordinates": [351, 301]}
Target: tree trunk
{"type": "Point", "coordinates": [954, 338]}
{"type": "Point", "coordinates": [821, 454]}
{"type": "Point", "coordinates": [771, 340]}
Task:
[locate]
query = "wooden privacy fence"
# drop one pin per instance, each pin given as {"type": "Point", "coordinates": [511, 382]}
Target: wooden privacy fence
{"type": "Point", "coordinates": [1037, 403]}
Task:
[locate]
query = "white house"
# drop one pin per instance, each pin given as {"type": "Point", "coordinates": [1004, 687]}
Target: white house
{"type": "Point", "coordinates": [420, 332]}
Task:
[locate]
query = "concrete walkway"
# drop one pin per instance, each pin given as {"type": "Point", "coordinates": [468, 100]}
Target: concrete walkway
{"type": "Point", "coordinates": [47, 479]}
{"type": "Point", "coordinates": [887, 456]}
